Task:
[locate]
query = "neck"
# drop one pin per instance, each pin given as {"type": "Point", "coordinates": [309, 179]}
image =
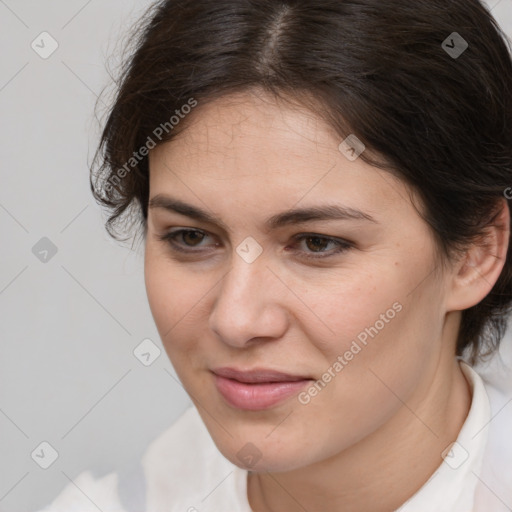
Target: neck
{"type": "Point", "coordinates": [385, 469]}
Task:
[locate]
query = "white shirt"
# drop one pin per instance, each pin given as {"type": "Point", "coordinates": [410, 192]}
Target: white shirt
{"type": "Point", "coordinates": [183, 471]}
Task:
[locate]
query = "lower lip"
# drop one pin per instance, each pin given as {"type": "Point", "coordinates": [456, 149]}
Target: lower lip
{"type": "Point", "coordinates": [256, 397]}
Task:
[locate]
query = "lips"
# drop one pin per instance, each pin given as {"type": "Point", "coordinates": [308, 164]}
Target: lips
{"type": "Point", "coordinates": [257, 375]}
{"type": "Point", "coordinates": [257, 389]}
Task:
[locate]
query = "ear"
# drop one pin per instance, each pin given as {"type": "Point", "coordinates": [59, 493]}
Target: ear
{"type": "Point", "coordinates": [475, 274]}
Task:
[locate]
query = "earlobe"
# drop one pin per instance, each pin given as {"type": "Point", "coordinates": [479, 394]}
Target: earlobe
{"type": "Point", "coordinates": [477, 272]}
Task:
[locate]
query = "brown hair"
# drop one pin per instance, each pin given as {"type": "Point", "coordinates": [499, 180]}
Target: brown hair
{"type": "Point", "coordinates": [427, 87]}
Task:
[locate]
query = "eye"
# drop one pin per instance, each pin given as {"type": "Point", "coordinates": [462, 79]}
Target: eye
{"type": "Point", "coordinates": [191, 238]}
{"type": "Point", "coordinates": [194, 236]}
{"type": "Point", "coordinates": [318, 242]}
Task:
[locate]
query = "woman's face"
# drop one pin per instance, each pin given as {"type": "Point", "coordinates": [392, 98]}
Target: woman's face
{"type": "Point", "coordinates": [356, 306]}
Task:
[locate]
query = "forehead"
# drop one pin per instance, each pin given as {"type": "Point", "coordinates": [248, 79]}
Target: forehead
{"type": "Point", "coordinates": [251, 149]}
{"type": "Point", "coordinates": [252, 122]}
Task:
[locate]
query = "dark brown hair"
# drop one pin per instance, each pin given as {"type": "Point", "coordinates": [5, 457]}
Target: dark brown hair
{"type": "Point", "coordinates": [425, 84]}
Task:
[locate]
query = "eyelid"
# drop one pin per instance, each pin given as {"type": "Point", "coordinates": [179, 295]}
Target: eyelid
{"type": "Point", "coordinates": [343, 245]}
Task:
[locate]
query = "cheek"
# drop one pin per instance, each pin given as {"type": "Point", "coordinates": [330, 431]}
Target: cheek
{"type": "Point", "coordinates": [159, 283]}
{"type": "Point", "coordinates": [171, 296]}
{"type": "Point", "coordinates": [354, 306]}
{"type": "Point", "coordinates": [178, 299]}
{"type": "Point", "coordinates": [385, 340]}
{"type": "Point", "coordinates": [377, 327]}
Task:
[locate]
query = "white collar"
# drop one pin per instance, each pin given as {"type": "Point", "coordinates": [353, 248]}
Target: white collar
{"type": "Point", "coordinates": [452, 486]}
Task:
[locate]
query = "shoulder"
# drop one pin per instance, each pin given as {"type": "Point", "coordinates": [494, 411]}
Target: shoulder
{"type": "Point", "coordinates": [179, 469]}
{"type": "Point", "coordinates": [496, 472]}
{"type": "Point", "coordinates": [119, 491]}
{"type": "Point", "coordinates": [87, 493]}
{"type": "Point", "coordinates": [497, 380]}
{"type": "Point", "coordinates": [500, 426]}
{"type": "Point", "coordinates": [184, 463]}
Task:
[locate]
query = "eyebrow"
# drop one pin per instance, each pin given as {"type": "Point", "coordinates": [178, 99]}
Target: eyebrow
{"type": "Point", "coordinates": [289, 217]}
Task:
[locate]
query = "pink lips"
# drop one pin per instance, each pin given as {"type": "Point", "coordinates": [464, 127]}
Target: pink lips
{"type": "Point", "coordinates": [257, 389]}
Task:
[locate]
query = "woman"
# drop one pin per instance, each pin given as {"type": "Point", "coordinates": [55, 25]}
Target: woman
{"type": "Point", "coordinates": [323, 189]}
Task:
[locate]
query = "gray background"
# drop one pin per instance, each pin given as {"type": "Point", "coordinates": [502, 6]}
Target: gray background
{"type": "Point", "coordinates": [69, 325]}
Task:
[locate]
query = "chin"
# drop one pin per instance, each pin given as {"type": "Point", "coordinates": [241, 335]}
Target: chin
{"type": "Point", "coordinates": [265, 460]}
{"type": "Point", "coordinates": [256, 451]}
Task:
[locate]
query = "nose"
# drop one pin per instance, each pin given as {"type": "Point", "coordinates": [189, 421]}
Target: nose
{"type": "Point", "coordinates": [249, 305]}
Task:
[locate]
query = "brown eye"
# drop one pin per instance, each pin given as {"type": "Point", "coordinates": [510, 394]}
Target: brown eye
{"type": "Point", "coordinates": [180, 239]}
{"type": "Point", "coordinates": [185, 240]}
{"type": "Point", "coordinates": [317, 244]}
{"type": "Point", "coordinates": [191, 237]}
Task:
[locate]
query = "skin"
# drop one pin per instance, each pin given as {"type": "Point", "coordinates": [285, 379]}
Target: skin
{"type": "Point", "coordinates": [374, 435]}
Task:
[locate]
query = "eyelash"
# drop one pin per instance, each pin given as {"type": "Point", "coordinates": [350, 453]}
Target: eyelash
{"type": "Point", "coordinates": [342, 245]}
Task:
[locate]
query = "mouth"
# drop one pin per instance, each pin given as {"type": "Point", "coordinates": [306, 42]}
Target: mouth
{"type": "Point", "coordinates": [257, 389]}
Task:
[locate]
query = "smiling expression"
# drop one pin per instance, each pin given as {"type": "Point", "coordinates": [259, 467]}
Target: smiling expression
{"type": "Point", "coordinates": [236, 280]}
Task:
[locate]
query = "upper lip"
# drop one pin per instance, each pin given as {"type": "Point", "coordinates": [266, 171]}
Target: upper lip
{"type": "Point", "coordinates": [257, 375]}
